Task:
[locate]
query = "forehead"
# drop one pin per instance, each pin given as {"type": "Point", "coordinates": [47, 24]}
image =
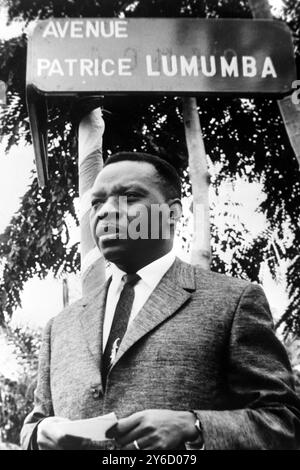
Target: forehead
{"type": "Point", "coordinates": [126, 173]}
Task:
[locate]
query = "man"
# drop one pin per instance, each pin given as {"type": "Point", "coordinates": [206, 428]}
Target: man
{"type": "Point", "coordinates": [186, 358]}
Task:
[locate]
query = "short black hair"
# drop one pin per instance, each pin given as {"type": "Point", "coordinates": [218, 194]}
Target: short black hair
{"type": "Point", "coordinates": [166, 172]}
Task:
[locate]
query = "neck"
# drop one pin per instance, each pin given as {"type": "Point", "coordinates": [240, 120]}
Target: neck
{"type": "Point", "coordinates": [134, 265]}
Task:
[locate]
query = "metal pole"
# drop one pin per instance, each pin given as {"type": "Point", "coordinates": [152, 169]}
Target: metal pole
{"type": "Point", "coordinates": [65, 288]}
{"type": "Point", "coordinates": [199, 177]}
{"type": "Point", "coordinates": [90, 162]}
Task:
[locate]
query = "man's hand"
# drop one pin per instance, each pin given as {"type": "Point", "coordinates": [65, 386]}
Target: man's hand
{"type": "Point", "coordinates": [154, 429]}
{"type": "Point", "coordinates": [51, 437]}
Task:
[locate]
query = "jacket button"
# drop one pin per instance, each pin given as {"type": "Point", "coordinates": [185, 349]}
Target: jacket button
{"type": "Point", "coordinates": [96, 391]}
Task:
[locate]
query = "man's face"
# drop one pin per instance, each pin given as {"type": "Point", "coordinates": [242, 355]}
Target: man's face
{"type": "Point", "coordinates": [129, 211]}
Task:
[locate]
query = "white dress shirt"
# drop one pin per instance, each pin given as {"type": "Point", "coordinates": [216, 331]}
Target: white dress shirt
{"type": "Point", "coordinates": [150, 276]}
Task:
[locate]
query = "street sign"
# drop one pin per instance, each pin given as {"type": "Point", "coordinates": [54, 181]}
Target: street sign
{"type": "Point", "coordinates": [153, 55]}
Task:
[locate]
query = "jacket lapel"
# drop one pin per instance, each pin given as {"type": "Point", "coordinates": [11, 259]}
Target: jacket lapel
{"type": "Point", "coordinates": [171, 293]}
{"type": "Point", "coordinates": [91, 320]}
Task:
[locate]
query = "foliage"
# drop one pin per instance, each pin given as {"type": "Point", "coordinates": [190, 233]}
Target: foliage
{"type": "Point", "coordinates": [247, 137]}
{"type": "Point", "coordinates": [25, 343]}
{"type": "Point", "coordinates": [292, 345]}
{"type": "Point", "coordinates": [16, 400]}
{"type": "Point", "coordinates": [16, 396]}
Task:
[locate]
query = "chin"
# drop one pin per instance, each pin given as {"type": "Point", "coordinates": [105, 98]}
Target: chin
{"type": "Point", "coordinates": [113, 252]}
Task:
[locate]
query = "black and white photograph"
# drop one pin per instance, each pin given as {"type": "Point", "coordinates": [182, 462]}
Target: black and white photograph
{"type": "Point", "coordinates": [149, 227]}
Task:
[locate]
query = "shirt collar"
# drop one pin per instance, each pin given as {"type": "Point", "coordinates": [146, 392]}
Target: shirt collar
{"type": "Point", "coordinates": [151, 274]}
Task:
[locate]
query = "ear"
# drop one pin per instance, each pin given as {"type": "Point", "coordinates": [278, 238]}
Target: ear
{"type": "Point", "coordinates": [175, 207]}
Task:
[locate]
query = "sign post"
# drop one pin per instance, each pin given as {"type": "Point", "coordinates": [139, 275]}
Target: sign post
{"type": "Point", "coordinates": [2, 93]}
{"type": "Point", "coordinates": [199, 178]}
{"type": "Point", "coordinates": [90, 133]}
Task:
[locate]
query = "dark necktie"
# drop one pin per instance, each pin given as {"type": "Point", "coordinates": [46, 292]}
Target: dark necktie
{"type": "Point", "coordinates": [119, 324]}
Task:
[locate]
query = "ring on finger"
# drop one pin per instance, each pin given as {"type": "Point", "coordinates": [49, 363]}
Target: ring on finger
{"type": "Point", "coordinates": [136, 445]}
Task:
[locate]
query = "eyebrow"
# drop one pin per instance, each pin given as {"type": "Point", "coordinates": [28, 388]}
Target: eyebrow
{"type": "Point", "coordinates": [120, 188]}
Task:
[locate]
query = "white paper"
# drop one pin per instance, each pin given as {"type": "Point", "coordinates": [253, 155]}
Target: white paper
{"type": "Point", "coordinates": [92, 428]}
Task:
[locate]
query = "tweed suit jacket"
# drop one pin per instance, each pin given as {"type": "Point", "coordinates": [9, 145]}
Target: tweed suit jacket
{"type": "Point", "coordinates": [202, 341]}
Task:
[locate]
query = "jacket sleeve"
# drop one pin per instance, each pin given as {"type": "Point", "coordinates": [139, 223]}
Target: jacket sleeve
{"type": "Point", "coordinates": [42, 395]}
{"type": "Point", "coordinates": [265, 412]}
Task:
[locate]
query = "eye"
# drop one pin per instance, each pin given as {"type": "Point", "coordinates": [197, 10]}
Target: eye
{"type": "Point", "coordinates": [132, 194]}
{"type": "Point", "coordinates": [96, 203]}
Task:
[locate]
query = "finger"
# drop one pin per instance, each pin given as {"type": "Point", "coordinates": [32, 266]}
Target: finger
{"type": "Point", "coordinates": [127, 424]}
{"type": "Point", "coordinates": [131, 446]}
{"type": "Point", "coordinates": [63, 442]}
{"type": "Point", "coordinates": [143, 443]}
{"type": "Point", "coordinates": [69, 442]}
{"type": "Point", "coordinates": [47, 444]}
{"type": "Point", "coordinates": [44, 439]}
{"type": "Point", "coordinates": [135, 434]}
{"type": "Point", "coordinates": [111, 432]}
{"type": "Point", "coordinates": [49, 434]}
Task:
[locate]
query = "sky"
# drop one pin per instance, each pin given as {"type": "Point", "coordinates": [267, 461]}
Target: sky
{"type": "Point", "coordinates": [15, 171]}
{"type": "Point", "coordinates": [43, 299]}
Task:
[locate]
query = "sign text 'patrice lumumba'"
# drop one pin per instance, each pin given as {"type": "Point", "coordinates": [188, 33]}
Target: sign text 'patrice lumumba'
{"type": "Point", "coordinates": [161, 55]}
